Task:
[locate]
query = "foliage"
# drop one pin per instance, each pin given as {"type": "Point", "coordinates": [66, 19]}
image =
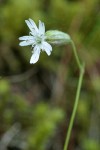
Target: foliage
{"type": "Point", "coordinates": [38, 122]}
{"type": "Point", "coordinates": [56, 76]}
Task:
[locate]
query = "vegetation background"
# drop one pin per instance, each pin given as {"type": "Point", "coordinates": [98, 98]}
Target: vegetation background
{"type": "Point", "coordinates": [36, 101]}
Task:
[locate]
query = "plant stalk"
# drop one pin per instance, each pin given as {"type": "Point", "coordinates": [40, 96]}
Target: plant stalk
{"type": "Point", "coordinates": [81, 68]}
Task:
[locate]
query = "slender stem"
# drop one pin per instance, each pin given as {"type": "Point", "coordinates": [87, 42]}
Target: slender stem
{"type": "Point", "coordinates": [81, 68]}
{"type": "Point", "coordinates": [75, 54]}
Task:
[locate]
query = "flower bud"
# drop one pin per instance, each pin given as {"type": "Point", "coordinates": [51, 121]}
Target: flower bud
{"type": "Point", "coordinates": [57, 37]}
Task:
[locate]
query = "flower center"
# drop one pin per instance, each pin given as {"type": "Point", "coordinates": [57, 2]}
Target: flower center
{"type": "Point", "coordinates": [39, 39]}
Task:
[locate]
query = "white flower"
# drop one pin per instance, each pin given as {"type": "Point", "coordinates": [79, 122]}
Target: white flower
{"type": "Point", "coordinates": [37, 39]}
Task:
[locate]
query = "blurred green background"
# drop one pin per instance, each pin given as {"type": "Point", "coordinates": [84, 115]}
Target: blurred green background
{"type": "Point", "coordinates": [36, 101]}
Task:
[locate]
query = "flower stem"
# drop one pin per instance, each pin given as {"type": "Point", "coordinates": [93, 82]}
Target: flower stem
{"type": "Point", "coordinates": [81, 68]}
{"type": "Point", "coordinates": [75, 54]}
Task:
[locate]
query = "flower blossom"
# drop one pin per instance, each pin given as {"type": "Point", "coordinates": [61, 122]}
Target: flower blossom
{"type": "Point", "coordinates": [37, 39]}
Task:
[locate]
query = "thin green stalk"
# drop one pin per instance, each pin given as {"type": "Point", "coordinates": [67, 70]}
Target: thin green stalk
{"type": "Point", "coordinates": [81, 68]}
{"type": "Point", "coordinates": [75, 54]}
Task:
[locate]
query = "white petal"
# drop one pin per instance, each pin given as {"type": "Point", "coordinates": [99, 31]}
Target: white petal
{"type": "Point", "coordinates": [26, 38]}
{"type": "Point", "coordinates": [29, 25]}
{"type": "Point", "coordinates": [35, 55]}
{"type": "Point", "coordinates": [41, 27]}
{"type": "Point", "coordinates": [25, 43]}
{"type": "Point", "coordinates": [46, 47]}
{"type": "Point", "coordinates": [33, 24]}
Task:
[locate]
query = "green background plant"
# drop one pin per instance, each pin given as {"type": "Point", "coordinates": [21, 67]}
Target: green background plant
{"type": "Point", "coordinates": [53, 79]}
